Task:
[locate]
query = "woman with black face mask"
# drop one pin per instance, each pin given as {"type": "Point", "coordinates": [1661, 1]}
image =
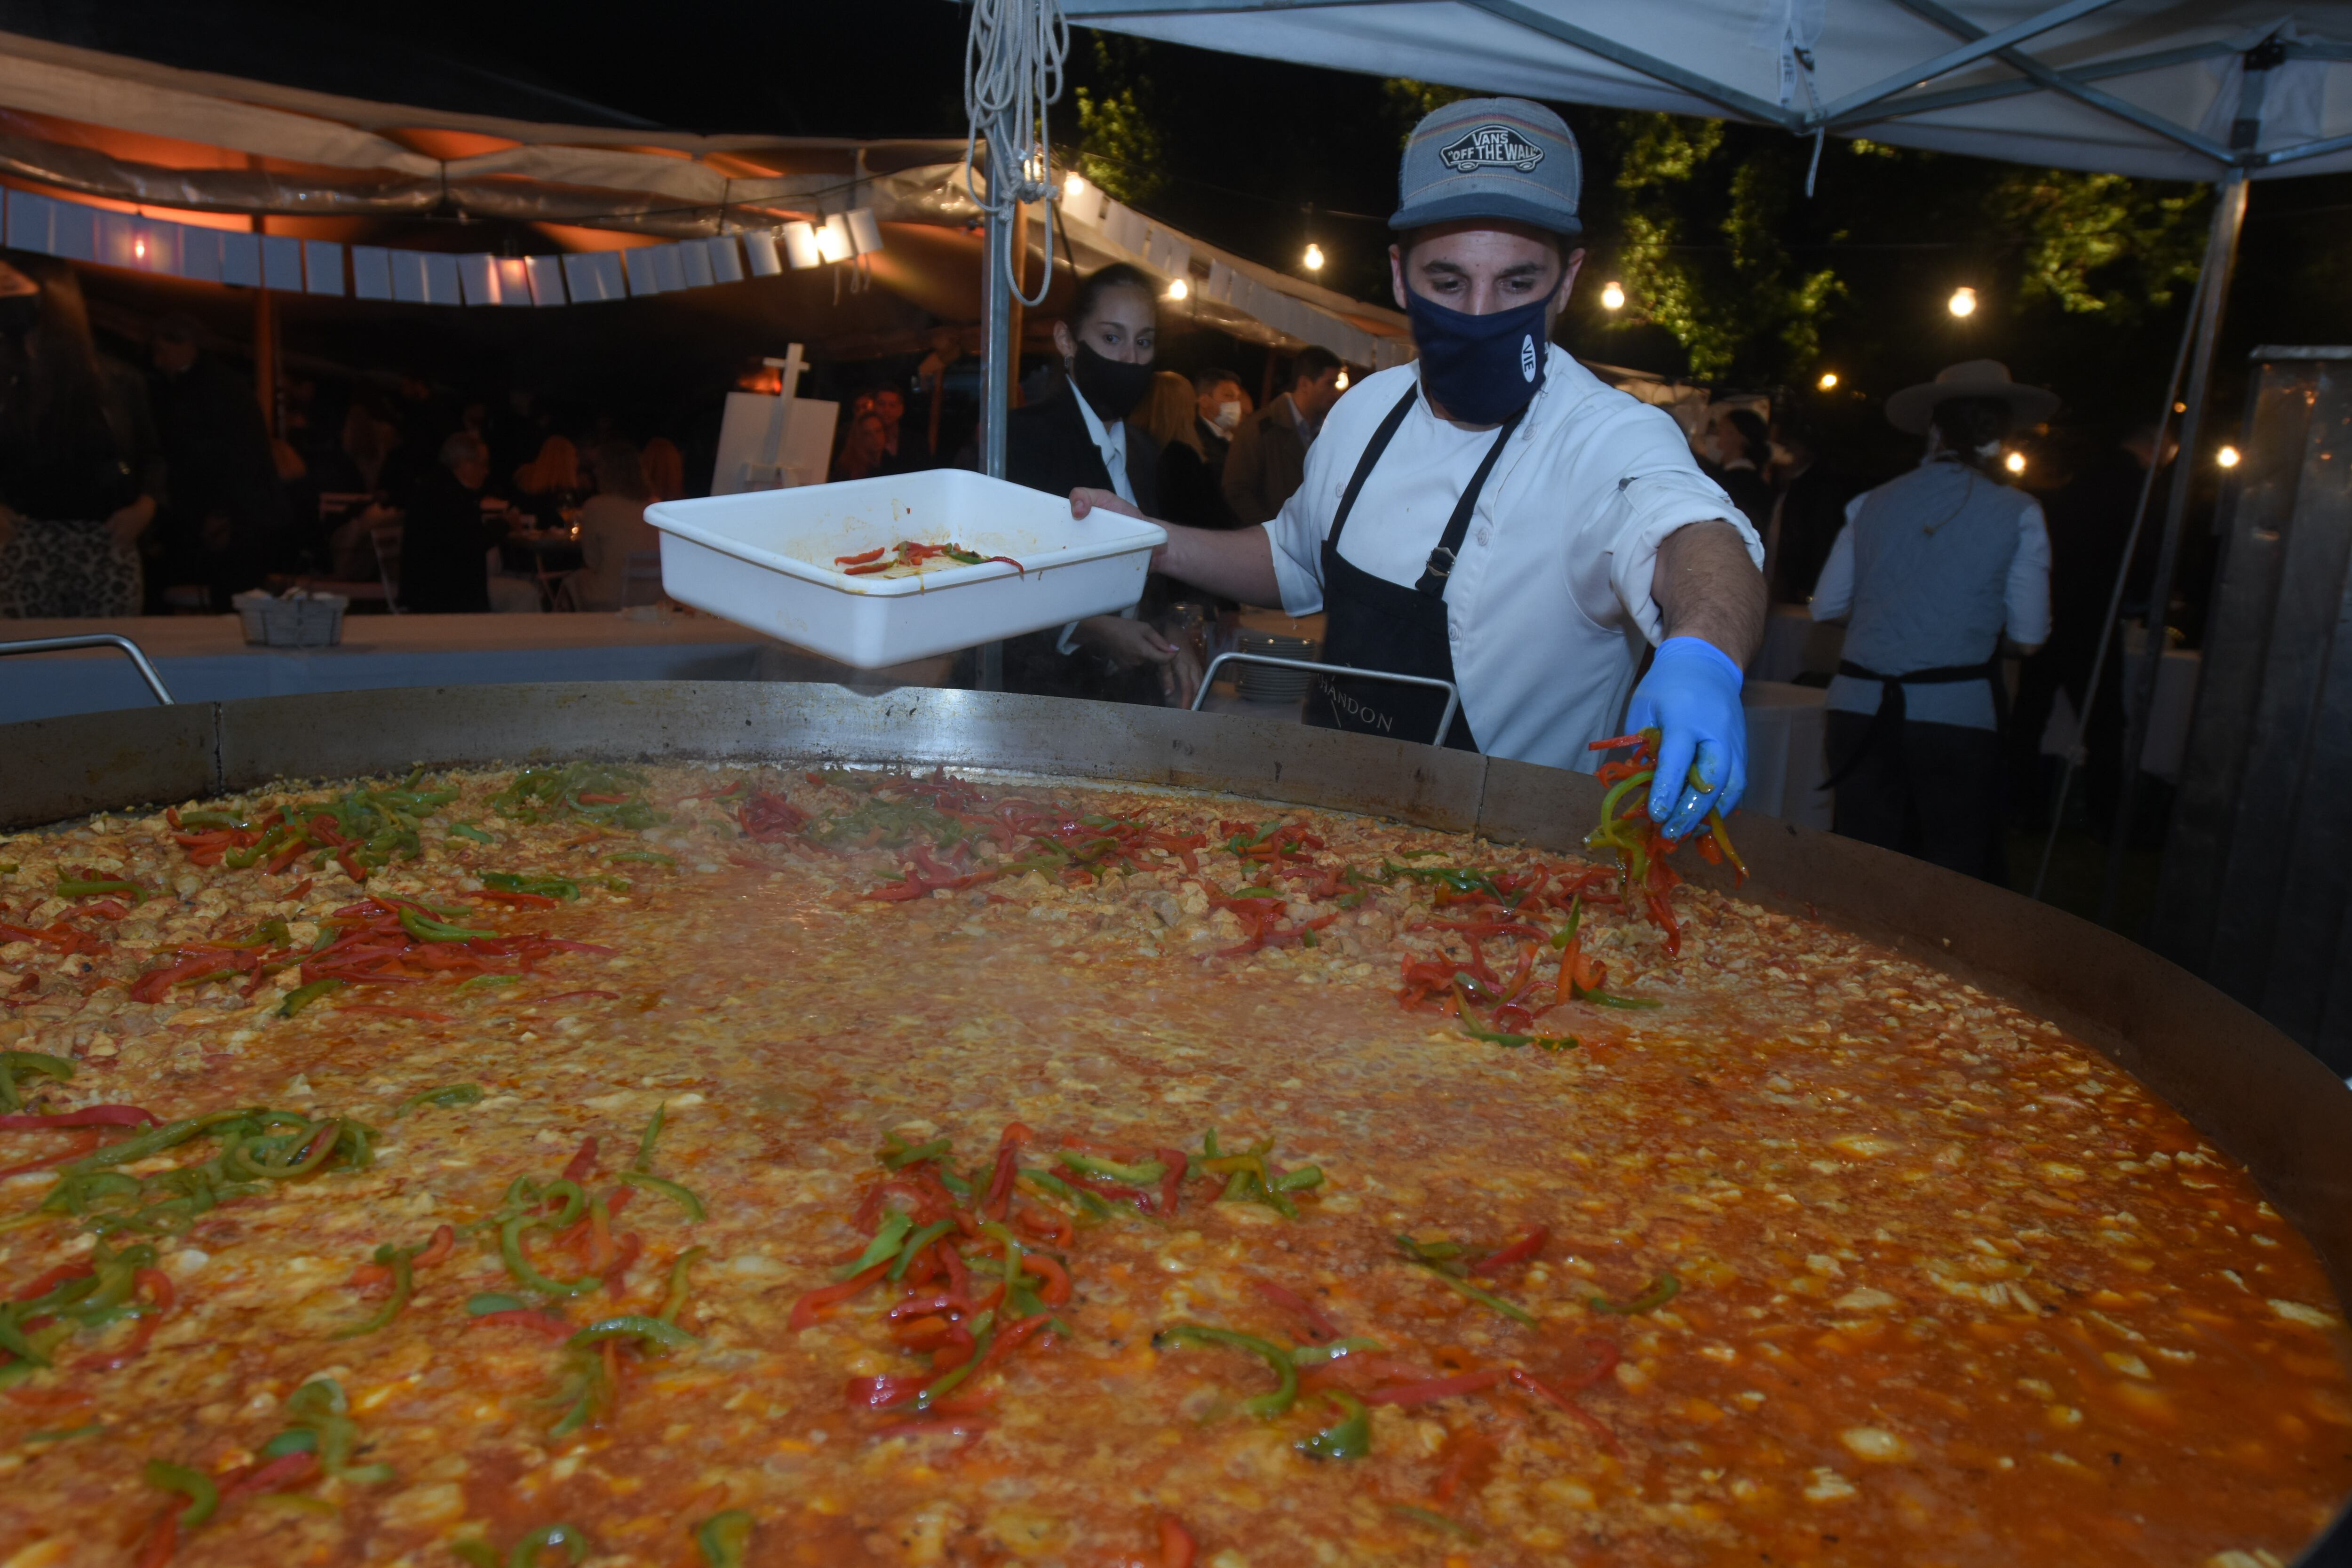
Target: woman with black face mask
{"type": "Point", "coordinates": [80, 473]}
{"type": "Point", "coordinates": [1082, 436]}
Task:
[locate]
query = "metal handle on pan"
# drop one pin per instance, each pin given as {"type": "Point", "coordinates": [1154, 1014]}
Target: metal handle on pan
{"type": "Point", "coordinates": [1444, 720]}
{"type": "Point", "coordinates": [97, 639]}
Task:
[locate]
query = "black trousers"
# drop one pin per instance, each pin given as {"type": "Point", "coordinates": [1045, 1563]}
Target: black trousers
{"type": "Point", "coordinates": [1932, 791]}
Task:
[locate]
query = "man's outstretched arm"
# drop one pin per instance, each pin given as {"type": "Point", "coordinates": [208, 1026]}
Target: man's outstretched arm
{"type": "Point", "coordinates": [1238, 564]}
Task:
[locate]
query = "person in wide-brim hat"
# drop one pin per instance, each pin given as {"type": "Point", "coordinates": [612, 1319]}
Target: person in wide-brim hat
{"type": "Point", "coordinates": [1930, 572]}
{"type": "Point", "coordinates": [1910, 409]}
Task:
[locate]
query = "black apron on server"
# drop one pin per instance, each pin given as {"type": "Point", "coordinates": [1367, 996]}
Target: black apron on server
{"type": "Point", "coordinates": [1373, 624]}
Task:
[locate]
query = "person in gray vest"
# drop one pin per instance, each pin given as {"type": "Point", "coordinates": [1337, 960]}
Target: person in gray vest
{"type": "Point", "coordinates": [1930, 571]}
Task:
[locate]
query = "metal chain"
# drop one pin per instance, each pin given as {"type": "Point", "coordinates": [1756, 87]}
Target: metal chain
{"type": "Point", "coordinates": [1012, 71]}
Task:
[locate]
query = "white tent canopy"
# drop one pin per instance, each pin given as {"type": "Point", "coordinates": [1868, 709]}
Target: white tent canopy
{"type": "Point", "coordinates": [2167, 89]}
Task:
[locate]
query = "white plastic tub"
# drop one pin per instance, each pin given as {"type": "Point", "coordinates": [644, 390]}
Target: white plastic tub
{"type": "Point", "coordinates": [765, 560]}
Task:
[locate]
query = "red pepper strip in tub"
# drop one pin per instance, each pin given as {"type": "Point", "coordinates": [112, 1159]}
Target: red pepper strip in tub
{"type": "Point", "coordinates": [1519, 1251]}
{"type": "Point", "coordinates": [861, 559]}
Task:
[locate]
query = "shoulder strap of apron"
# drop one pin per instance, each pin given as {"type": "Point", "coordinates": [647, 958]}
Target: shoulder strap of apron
{"type": "Point", "coordinates": [1364, 465]}
{"type": "Point", "coordinates": [1441, 560]}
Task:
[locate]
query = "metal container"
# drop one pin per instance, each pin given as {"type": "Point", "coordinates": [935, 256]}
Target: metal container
{"type": "Point", "coordinates": [2245, 1085]}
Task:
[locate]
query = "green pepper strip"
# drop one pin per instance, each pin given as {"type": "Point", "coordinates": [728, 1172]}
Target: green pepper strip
{"type": "Point", "coordinates": [725, 1538]}
{"type": "Point", "coordinates": [1349, 1437]}
{"type": "Point", "coordinates": [448, 1096]}
{"type": "Point", "coordinates": [1662, 1289]}
{"type": "Point", "coordinates": [898, 1159]}
{"type": "Point", "coordinates": [70, 888]}
{"type": "Point", "coordinates": [1434, 1519]}
{"type": "Point", "coordinates": [644, 1159]}
{"type": "Point", "coordinates": [1323, 1355]}
{"type": "Point", "coordinates": [321, 1139]}
{"type": "Point", "coordinates": [632, 1327]}
{"type": "Point", "coordinates": [483, 1303]}
{"type": "Point", "coordinates": [1091, 1202]}
{"type": "Point", "coordinates": [674, 1299]}
{"type": "Point", "coordinates": [304, 996]}
{"type": "Point", "coordinates": [1433, 1256]}
{"type": "Point", "coordinates": [649, 855]}
{"type": "Point", "coordinates": [520, 1266]}
{"type": "Point", "coordinates": [916, 1243]}
{"type": "Point", "coordinates": [1269, 1405]}
{"type": "Point", "coordinates": [568, 1191]}
{"type": "Point", "coordinates": [203, 1497]}
{"type": "Point", "coordinates": [885, 1246]}
{"type": "Point", "coordinates": [1607, 999]}
{"type": "Point", "coordinates": [1298, 1180]}
{"type": "Point", "coordinates": [423, 930]}
{"type": "Point", "coordinates": [468, 831]}
{"type": "Point", "coordinates": [13, 1062]}
{"type": "Point", "coordinates": [567, 1536]}
{"type": "Point", "coordinates": [1142, 1175]}
{"type": "Point", "coordinates": [1567, 934]}
{"type": "Point", "coordinates": [681, 1196]}
{"type": "Point", "coordinates": [93, 1429]}
{"type": "Point", "coordinates": [402, 1260]}
{"type": "Point", "coordinates": [490, 979]}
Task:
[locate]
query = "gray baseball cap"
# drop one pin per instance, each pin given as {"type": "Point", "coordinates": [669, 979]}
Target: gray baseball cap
{"type": "Point", "coordinates": [1490, 157]}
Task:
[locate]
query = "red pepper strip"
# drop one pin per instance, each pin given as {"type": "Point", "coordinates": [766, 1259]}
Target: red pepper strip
{"type": "Point", "coordinates": [869, 571]}
{"type": "Point", "coordinates": [1009, 1338]}
{"type": "Point", "coordinates": [113, 909]}
{"type": "Point", "coordinates": [368, 1276]}
{"type": "Point", "coordinates": [617, 1279]}
{"type": "Point", "coordinates": [88, 1116]}
{"type": "Point", "coordinates": [922, 1306]}
{"type": "Point", "coordinates": [1320, 1329]}
{"type": "Point", "coordinates": [1008, 561]}
{"type": "Point", "coordinates": [1436, 1388]}
{"type": "Point", "coordinates": [286, 1470]}
{"type": "Point", "coordinates": [860, 559]}
{"type": "Point", "coordinates": [1605, 1357]}
{"type": "Point", "coordinates": [809, 1309]}
{"type": "Point", "coordinates": [523, 901]}
{"type": "Point", "coordinates": [1474, 1453]}
{"type": "Point", "coordinates": [998, 1200]}
{"type": "Point", "coordinates": [1575, 1412]}
{"type": "Point", "coordinates": [445, 1241]}
{"type": "Point", "coordinates": [163, 1540]}
{"type": "Point", "coordinates": [1618, 742]}
{"type": "Point", "coordinates": [87, 1144]}
{"type": "Point", "coordinates": [299, 890]}
{"type": "Point", "coordinates": [1053, 1226]}
{"type": "Point", "coordinates": [1177, 1546]}
{"type": "Point", "coordinates": [1519, 1251]}
{"type": "Point", "coordinates": [959, 1348]}
{"type": "Point", "coordinates": [537, 1321]}
{"type": "Point", "coordinates": [1057, 1278]}
{"type": "Point", "coordinates": [923, 1333]}
{"type": "Point", "coordinates": [56, 934]}
{"type": "Point", "coordinates": [42, 1284]}
{"type": "Point", "coordinates": [582, 1162]}
{"type": "Point", "coordinates": [1171, 1185]}
{"type": "Point", "coordinates": [568, 995]}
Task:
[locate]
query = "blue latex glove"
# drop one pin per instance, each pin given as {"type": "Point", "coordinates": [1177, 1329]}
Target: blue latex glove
{"type": "Point", "coordinates": [1692, 696]}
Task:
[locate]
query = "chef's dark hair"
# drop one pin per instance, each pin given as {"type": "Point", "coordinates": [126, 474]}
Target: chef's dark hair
{"type": "Point", "coordinates": [1967, 423]}
{"type": "Point", "coordinates": [1101, 281]}
{"type": "Point", "coordinates": [1313, 364]}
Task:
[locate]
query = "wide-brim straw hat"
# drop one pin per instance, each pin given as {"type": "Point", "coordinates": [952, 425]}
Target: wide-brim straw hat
{"type": "Point", "coordinates": [1910, 409]}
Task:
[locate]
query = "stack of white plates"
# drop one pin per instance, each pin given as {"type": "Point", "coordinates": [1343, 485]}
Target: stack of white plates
{"type": "Point", "coordinates": [1270, 683]}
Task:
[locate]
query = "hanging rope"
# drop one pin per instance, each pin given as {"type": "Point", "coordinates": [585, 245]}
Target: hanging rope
{"type": "Point", "coordinates": [1011, 70]}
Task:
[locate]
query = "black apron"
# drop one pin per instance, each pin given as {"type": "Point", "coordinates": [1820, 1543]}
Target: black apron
{"type": "Point", "coordinates": [1373, 624]}
{"type": "Point", "coordinates": [1887, 719]}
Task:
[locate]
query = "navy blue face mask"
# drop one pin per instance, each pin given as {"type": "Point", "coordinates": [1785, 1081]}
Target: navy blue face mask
{"type": "Point", "coordinates": [1480, 369]}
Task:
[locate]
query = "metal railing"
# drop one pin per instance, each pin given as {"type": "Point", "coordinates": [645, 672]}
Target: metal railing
{"type": "Point", "coordinates": [1445, 721]}
{"type": "Point", "coordinates": [97, 639]}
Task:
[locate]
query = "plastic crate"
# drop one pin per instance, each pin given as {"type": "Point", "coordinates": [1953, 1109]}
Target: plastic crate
{"type": "Point", "coordinates": [300, 619]}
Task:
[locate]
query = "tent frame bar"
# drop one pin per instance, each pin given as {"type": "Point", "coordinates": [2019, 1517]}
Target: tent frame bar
{"type": "Point", "coordinates": [1635, 60]}
{"type": "Point", "coordinates": [2018, 87]}
{"type": "Point", "coordinates": [1967, 54]}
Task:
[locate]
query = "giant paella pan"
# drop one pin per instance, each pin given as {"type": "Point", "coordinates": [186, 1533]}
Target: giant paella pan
{"type": "Point", "coordinates": [673, 1125]}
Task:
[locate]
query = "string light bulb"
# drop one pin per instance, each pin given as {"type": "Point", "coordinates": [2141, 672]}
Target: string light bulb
{"type": "Point", "coordinates": [139, 247]}
{"type": "Point", "coordinates": [1612, 295]}
{"type": "Point", "coordinates": [1828, 382]}
{"type": "Point", "coordinates": [1341, 385]}
{"type": "Point", "coordinates": [1179, 289]}
{"type": "Point", "coordinates": [1314, 259]}
{"type": "Point", "coordinates": [1073, 187]}
{"type": "Point", "coordinates": [2014, 462]}
{"type": "Point", "coordinates": [1963, 302]}
{"type": "Point", "coordinates": [2227, 457]}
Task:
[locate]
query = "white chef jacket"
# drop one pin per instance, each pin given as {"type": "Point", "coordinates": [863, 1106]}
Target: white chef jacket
{"type": "Point", "coordinates": [1549, 599]}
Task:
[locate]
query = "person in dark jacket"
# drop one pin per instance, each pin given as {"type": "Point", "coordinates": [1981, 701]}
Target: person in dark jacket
{"type": "Point", "coordinates": [1079, 437]}
{"type": "Point", "coordinates": [1268, 459]}
{"type": "Point", "coordinates": [227, 523]}
{"type": "Point", "coordinates": [1193, 467]}
{"type": "Point", "coordinates": [1741, 448]}
{"type": "Point", "coordinates": [444, 547]}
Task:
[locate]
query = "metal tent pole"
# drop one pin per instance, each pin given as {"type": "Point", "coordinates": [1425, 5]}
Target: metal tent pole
{"type": "Point", "coordinates": [2213, 281]}
{"type": "Point", "coordinates": [999, 369]}
{"type": "Point", "coordinates": [2115, 596]}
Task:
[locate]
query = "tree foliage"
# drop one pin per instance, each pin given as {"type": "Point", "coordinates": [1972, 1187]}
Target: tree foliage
{"type": "Point", "coordinates": [2103, 242]}
{"type": "Point", "coordinates": [1120, 144]}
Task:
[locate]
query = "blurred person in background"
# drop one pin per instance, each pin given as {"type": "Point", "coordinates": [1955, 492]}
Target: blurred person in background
{"type": "Point", "coordinates": [664, 470]}
{"type": "Point", "coordinates": [613, 525]}
{"type": "Point", "coordinates": [1931, 570]}
{"type": "Point", "coordinates": [904, 449]}
{"type": "Point", "coordinates": [227, 524]}
{"type": "Point", "coordinates": [1188, 491]}
{"type": "Point", "coordinates": [548, 485]}
{"type": "Point", "coordinates": [1087, 433]}
{"type": "Point", "coordinates": [1195, 492]}
{"type": "Point", "coordinates": [81, 468]}
{"type": "Point", "coordinates": [864, 449]}
{"type": "Point", "coordinates": [1807, 516]}
{"type": "Point", "coordinates": [1739, 445]}
{"type": "Point", "coordinates": [443, 543]}
{"type": "Point", "coordinates": [1268, 459]}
